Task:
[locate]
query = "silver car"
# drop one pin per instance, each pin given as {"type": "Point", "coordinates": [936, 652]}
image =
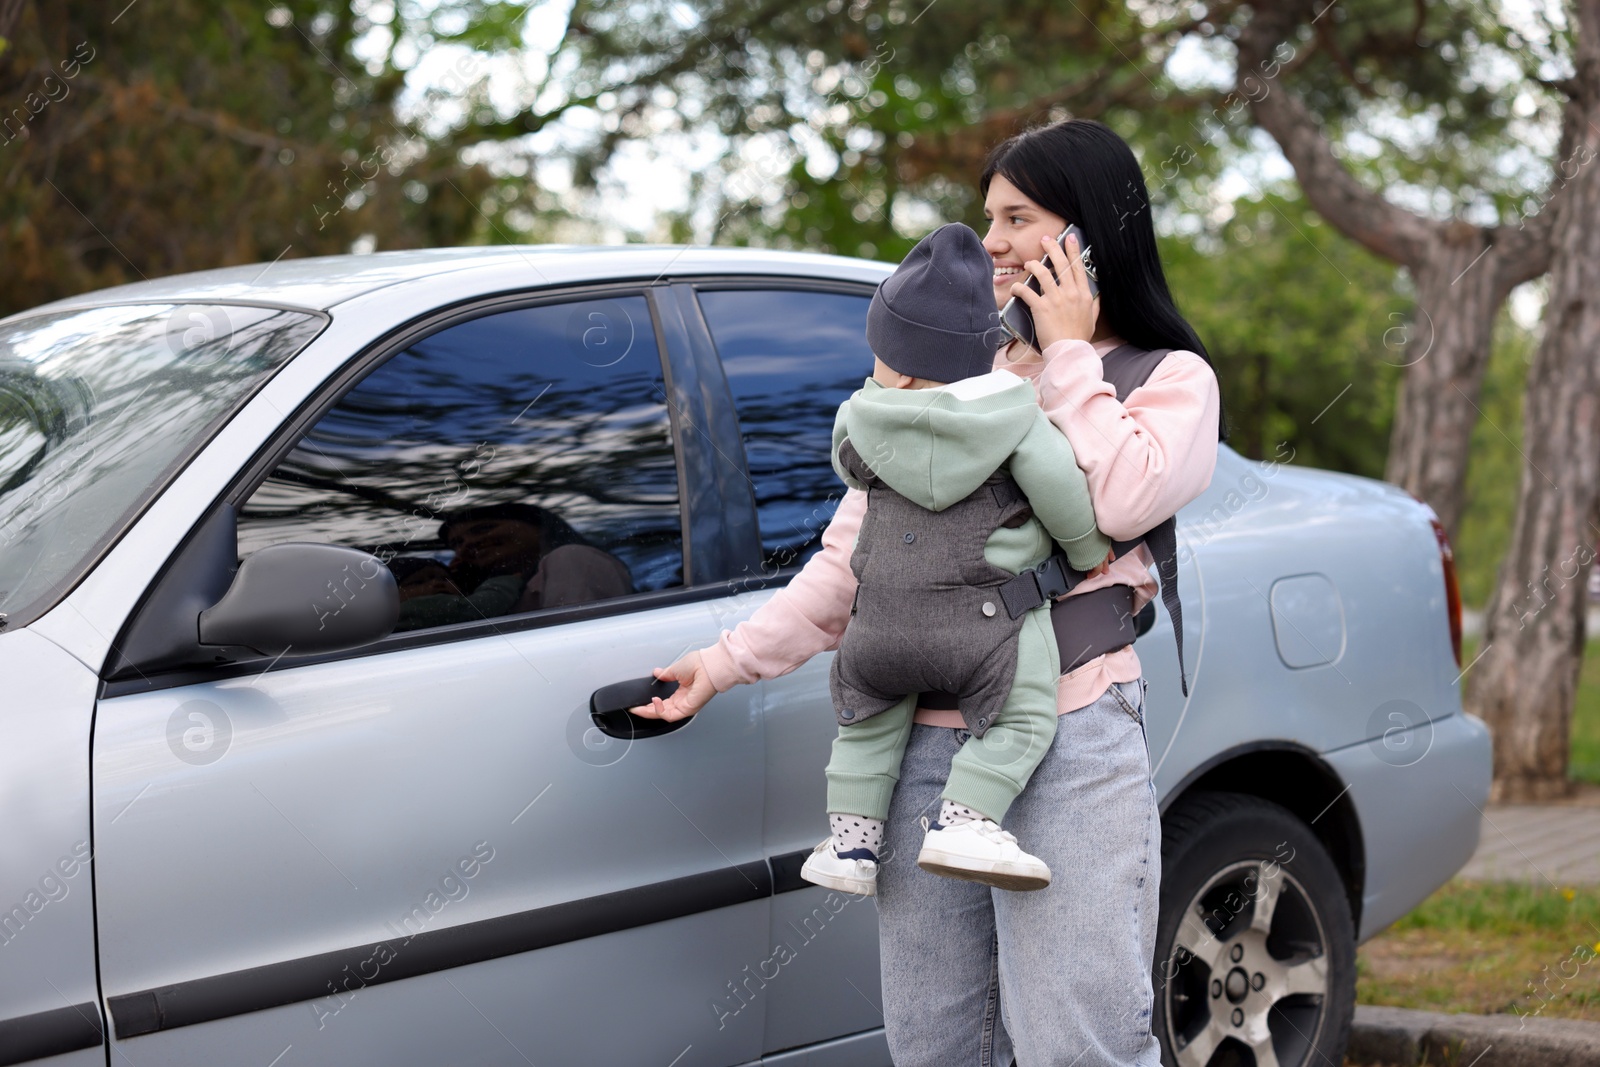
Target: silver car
{"type": "Point", "coordinates": [325, 587]}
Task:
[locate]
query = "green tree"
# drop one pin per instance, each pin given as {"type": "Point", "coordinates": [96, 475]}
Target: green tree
{"type": "Point", "coordinates": [1306, 329]}
{"type": "Point", "coordinates": [1321, 81]}
{"type": "Point", "coordinates": [182, 135]}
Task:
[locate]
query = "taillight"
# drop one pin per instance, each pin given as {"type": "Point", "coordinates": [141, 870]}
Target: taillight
{"type": "Point", "coordinates": [1452, 591]}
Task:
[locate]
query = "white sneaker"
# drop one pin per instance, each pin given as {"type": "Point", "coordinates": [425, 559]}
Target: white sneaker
{"type": "Point", "coordinates": [824, 867]}
{"type": "Point", "coordinates": [979, 851]}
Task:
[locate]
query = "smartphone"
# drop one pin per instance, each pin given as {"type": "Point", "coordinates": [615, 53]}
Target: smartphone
{"type": "Point", "coordinates": [1016, 316]}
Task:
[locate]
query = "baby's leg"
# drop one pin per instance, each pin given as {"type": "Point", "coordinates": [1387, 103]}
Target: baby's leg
{"type": "Point", "coordinates": [861, 779]}
{"type": "Point", "coordinates": [866, 762]}
{"type": "Point", "coordinates": [989, 771]}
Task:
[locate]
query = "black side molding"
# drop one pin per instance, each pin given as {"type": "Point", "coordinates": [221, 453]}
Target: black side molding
{"type": "Point", "coordinates": [786, 872]}
{"type": "Point", "coordinates": [50, 1033]}
{"type": "Point", "coordinates": [346, 970]}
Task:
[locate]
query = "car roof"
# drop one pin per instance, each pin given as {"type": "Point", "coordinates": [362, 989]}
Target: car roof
{"type": "Point", "coordinates": [321, 283]}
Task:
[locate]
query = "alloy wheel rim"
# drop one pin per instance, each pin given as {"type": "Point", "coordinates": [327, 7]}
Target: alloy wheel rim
{"type": "Point", "coordinates": [1248, 974]}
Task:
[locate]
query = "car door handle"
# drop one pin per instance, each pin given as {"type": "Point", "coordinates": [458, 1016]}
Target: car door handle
{"type": "Point", "coordinates": [608, 707]}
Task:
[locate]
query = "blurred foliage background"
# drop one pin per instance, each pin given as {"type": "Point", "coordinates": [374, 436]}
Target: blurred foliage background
{"type": "Point", "coordinates": [199, 133]}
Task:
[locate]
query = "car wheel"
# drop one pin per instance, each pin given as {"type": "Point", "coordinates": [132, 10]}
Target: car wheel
{"type": "Point", "coordinates": [1255, 949]}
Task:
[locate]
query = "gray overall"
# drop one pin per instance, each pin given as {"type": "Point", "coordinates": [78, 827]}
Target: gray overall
{"type": "Point", "coordinates": [927, 613]}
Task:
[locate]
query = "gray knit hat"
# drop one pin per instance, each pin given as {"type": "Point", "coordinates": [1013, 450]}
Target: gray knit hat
{"type": "Point", "coordinates": [934, 317]}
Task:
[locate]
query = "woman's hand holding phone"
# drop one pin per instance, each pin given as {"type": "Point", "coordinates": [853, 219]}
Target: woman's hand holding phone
{"type": "Point", "coordinates": [1062, 310]}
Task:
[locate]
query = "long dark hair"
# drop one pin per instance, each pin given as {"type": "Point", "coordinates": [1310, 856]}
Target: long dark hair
{"type": "Point", "coordinates": [1081, 170]}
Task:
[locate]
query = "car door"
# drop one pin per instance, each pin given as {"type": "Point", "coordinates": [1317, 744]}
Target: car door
{"type": "Point", "coordinates": [424, 851]}
{"type": "Point", "coordinates": [791, 353]}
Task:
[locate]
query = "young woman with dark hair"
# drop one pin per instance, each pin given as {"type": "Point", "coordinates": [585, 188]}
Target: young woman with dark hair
{"type": "Point", "coordinates": [1060, 977]}
{"type": "Point", "coordinates": [1103, 192]}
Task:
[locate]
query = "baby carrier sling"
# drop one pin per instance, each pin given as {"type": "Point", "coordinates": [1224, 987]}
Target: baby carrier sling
{"type": "Point", "coordinates": [927, 612]}
{"type": "Point", "coordinates": [1102, 620]}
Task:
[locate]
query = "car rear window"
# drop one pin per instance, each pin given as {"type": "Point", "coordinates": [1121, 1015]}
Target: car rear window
{"type": "Point", "coordinates": [792, 356]}
{"type": "Point", "coordinates": [99, 408]}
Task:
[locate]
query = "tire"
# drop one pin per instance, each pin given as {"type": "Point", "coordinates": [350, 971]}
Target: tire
{"type": "Point", "coordinates": [1227, 992]}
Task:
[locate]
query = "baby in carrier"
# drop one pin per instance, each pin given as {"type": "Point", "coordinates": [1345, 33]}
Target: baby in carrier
{"type": "Point", "coordinates": [968, 484]}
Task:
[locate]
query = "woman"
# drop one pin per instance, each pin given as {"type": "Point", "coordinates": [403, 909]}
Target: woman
{"type": "Point", "coordinates": [1061, 977]}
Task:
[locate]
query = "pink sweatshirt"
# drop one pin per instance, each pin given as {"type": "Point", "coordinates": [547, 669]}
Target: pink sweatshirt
{"type": "Point", "coordinates": [1144, 460]}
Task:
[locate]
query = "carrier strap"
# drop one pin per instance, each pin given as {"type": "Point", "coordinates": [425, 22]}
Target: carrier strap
{"type": "Point", "coordinates": [1125, 368]}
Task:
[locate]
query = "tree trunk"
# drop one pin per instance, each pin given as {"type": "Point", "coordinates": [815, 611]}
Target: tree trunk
{"type": "Point", "coordinates": [1525, 682]}
{"type": "Point", "coordinates": [1444, 348]}
{"type": "Point", "coordinates": [1463, 273]}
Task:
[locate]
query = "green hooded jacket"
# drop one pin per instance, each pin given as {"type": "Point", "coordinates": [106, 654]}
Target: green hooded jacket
{"type": "Point", "coordinates": [936, 446]}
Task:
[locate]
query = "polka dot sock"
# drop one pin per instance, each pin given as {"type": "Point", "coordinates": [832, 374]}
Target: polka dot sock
{"type": "Point", "coordinates": [856, 831]}
{"type": "Point", "coordinates": [951, 813]}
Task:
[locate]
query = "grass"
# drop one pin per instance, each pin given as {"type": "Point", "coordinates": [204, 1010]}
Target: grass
{"type": "Point", "coordinates": [1490, 947]}
{"type": "Point", "coordinates": [1584, 763]}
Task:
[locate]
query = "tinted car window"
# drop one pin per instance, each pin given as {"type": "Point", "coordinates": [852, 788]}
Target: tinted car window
{"type": "Point", "coordinates": [791, 357]}
{"type": "Point", "coordinates": [512, 463]}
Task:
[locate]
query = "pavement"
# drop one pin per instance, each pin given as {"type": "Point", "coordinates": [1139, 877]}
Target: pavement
{"type": "Point", "coordinates": [1554, 844]}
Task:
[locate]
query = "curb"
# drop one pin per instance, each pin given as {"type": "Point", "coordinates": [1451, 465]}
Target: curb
{"type": "Point", "coordinates": [1409, 1038]}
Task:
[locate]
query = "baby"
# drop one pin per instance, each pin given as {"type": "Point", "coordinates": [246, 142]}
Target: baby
{"type": "Point", "coordinates": [968, 484]}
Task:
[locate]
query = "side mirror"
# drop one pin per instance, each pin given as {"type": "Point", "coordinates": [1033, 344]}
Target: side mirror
{"type": "Point", "coordinates": [305, 597]}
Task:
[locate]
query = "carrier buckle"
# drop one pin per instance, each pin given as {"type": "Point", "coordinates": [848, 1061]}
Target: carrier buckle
{"type": "Point", "coordinates": [1051, 578]}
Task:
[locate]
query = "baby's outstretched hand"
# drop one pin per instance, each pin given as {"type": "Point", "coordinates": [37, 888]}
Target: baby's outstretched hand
{"type": "Point", "coordinates": [694, 690]}
{"type": "Point", "coordinates": [1104, 565]}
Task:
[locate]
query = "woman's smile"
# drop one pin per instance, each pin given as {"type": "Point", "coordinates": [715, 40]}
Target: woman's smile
{"type": "Point", "coordinates": [1005, 274]}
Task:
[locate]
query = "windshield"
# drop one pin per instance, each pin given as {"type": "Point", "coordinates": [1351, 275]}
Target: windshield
{"type": "Point", "coordinates": [98, 409]}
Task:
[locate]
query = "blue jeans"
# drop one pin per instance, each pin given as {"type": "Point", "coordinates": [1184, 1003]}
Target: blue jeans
{"type": "Point", "coordinates": [974, 976]}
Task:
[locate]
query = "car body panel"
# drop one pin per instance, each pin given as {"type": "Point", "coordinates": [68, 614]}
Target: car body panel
{"type": "Point", "coordinates": [816, 934]}
{"type": "Point", "coordinates": [1420, 797]}
{"type": "Point", "coordinates": [1254, 524]}
{"type": "Point", "coordinates": [334, 798]}
{"type": "Point", "coordinates": [617, 998]}
{"type": "Point", "coordinates": [47, 948]}
{"type": "Point", "coordinates": [869, 1049]}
